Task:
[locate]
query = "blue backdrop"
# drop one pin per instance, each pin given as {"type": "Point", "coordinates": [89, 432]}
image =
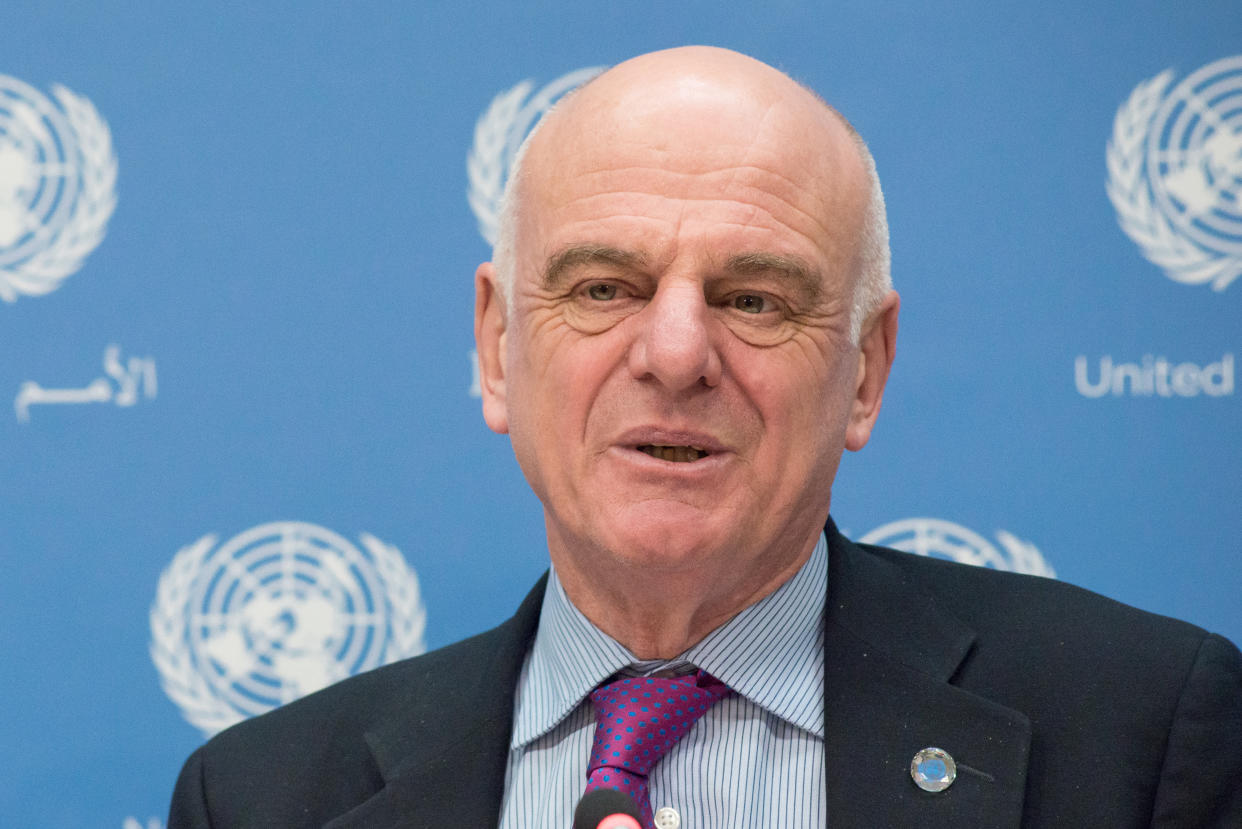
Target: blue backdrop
{"type": "Point", "coordinates": [243, 458]}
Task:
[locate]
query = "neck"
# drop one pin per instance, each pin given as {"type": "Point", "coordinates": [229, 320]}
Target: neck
{"type": "Point", "coordinates": [661, 612]}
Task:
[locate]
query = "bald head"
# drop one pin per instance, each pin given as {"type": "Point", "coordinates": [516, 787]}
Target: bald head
{"type": "Point", "coordinates": [701, 109]}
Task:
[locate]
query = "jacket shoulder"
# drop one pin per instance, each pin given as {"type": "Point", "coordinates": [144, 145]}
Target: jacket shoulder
{"type": "Point", "coordinates": [1036, 609]}
{"type": "Point", "coordinates": [312, 758]}
{"type": "Point", "coordinates": [340, 712]}
{"type": "Point", "coordinates": [1145, 707]}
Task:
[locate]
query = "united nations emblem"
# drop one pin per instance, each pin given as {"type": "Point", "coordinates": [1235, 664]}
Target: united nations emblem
{"type": "Point", "coordinates": [499, 134]}
{"type": "Point", "coordinates": [943, 539]}
{"type": "Point", "coordinates": [1175, 172]}
{"type": "Point", "coordinates": [57, 186]}
{"type": "Point", "coordinates": [275, 613]}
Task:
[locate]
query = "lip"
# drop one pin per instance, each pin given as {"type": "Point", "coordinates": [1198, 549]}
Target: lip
{"type": "Point", "coordinates": [663, 436]}
{"type": "Point", "coordinates": [625, 448]}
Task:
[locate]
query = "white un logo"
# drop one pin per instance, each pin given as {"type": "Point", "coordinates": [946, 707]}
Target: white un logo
{"type": "Point", "coordinates": [57, 186]}
{"type": "Point", "coordinates": [943, 539]}
{"type": "Point", "coordinates": [1175, 172]}
{"type": "Point", "coordinates": [499, 134]}
{"type": "Point", "coordinates": [275, 613]}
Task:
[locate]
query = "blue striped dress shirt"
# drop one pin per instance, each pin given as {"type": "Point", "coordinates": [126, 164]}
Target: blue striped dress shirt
{"type": "Point", "coordinates": [756, 759]}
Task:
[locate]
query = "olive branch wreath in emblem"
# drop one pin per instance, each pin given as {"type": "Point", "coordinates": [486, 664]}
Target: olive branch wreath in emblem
{"type": "Point", "coordinates": [487, 164]}
{"type": "Point", "coordinates": [498, 136]}
{"type": "Point", "coordinates": [186, 687]}
{"type": "Point", "coordinates": [408, 620]}
{"type": "Point", "coordinates": [189, 688]}
{"type": "Point", "coordinates": [1129, 190]}
{"type": "Point", "coordinates": [87, 222]}
{"type": "Point", "coordinates": [1024, 557]}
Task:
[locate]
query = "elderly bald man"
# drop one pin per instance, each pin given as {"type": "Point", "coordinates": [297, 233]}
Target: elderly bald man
{"type": "Point", "coordinates": [688, 319]}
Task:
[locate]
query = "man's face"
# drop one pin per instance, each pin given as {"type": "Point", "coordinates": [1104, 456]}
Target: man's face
{"type": "Point", "coordinates": [677, 375]}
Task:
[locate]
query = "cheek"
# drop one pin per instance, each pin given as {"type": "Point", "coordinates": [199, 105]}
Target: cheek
{"type": "Point", "coordinates": [558, 377]}
{"type": "Point", "coordinates": [802, 392]}
{"type": "Point", "coordinates": [776, 376]}
{"type": "Point", "coordinates": [540, 355]}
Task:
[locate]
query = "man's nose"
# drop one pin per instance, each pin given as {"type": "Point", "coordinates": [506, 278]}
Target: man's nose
{"type": "Point", "coordinates": [675, 341]}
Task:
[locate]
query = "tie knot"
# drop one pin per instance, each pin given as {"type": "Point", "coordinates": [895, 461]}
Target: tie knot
{"type": "Point", "coordinates": [638, 719]}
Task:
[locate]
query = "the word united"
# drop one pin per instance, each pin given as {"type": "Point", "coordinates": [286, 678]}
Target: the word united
{"type": "Point", "coordinates": [1153, 377]}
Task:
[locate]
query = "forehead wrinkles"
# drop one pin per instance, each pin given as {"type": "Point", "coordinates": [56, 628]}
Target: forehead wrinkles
{"type": "Point", "coordinates": [745, 198]}
{"type": "Point", "coordinates": [749, 157]}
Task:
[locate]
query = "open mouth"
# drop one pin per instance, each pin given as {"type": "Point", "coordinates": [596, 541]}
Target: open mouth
{"type": "Point", "coordinates": [676, 454]}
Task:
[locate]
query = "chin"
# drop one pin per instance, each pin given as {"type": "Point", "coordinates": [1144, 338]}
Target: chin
{"type": "Point", "coordinates": [669, 535]}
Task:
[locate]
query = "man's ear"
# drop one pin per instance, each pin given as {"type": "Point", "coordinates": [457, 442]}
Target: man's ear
{"type": "Point", "coordinates": [490, 318]}
{"type": "Point", "coordinates": [877, 346]}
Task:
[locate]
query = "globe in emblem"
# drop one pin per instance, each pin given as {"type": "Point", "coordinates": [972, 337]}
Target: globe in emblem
{"type": "Point", "coordinates": [275, 613]}
{"type": "Point", "coordinates": [57, 186]}
{"type": "Point", "coordinates": [944, 539]}
{"type": "Point", "coordinates": [1175, 172]}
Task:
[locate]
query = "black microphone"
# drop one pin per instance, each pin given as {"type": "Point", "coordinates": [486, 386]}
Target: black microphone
{"type": "Point", "coordinates": [607, 809]}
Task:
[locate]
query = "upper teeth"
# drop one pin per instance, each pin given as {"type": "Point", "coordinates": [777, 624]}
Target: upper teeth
{"type": "Point", "coordinates": [679, 454]}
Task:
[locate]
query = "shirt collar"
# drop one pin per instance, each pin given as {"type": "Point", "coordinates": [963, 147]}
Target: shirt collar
{"type": "Point", "coordinates": [771, 653]}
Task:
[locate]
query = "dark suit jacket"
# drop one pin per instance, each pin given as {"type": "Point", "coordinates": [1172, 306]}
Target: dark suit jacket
{"type": "Point", "coordinates": [1062, 708]}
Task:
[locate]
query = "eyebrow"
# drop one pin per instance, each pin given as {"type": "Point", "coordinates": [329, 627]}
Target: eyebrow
{"type": "Point", "coordinates": [577, 255]}
{"type": "Point", "coordinates": [807, 278]}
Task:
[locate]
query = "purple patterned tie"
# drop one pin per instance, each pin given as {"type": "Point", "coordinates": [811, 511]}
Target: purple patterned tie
{"type": "Point", "coordinates": [637, 721]}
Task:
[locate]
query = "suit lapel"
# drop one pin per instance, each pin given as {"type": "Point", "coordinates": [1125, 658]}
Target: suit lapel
{"type": "Point", "coordinates": [890, 653]}
{"type": "Point", "coordinates": [443, 754]}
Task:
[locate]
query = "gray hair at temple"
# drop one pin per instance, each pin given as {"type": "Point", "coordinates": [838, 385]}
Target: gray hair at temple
{"type": "Point", "coordinates": [875, 260]}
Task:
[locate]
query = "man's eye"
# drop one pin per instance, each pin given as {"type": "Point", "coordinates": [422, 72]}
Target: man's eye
{"type": "Point", "coordinates": [750, 303]}
{"type": "Point", "coordinates": [602, 291]}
